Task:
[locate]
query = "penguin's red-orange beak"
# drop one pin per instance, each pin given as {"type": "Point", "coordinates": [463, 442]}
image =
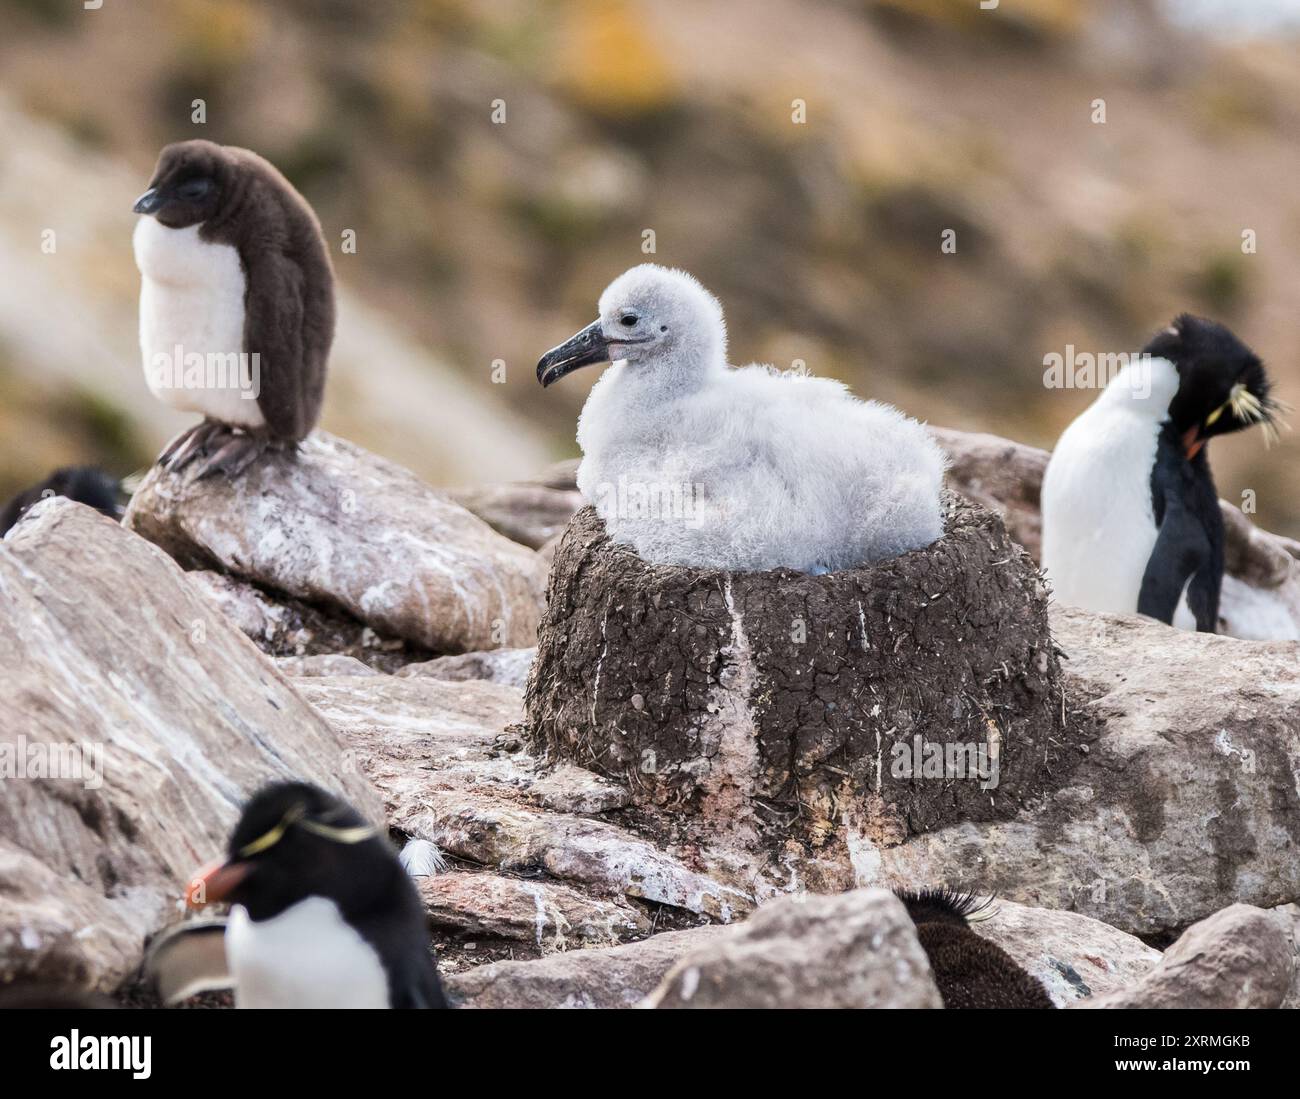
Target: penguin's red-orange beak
{"type": "Point", "coordinates": [214, 883]}
{"type": "Point", "coordinates": [1192, 442]}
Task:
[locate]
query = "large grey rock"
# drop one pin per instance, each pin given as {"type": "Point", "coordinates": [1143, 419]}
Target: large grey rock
{"type": "Point", "coordinates": [855, 950]}
{"type": "Point", "coordinates": [570, 789]}
{"type": "Point", "coordinates": [340, 528]}
{"type": "Point", "coordinates": [156, 718]}
{"type": "Point", "coordinates": [531, 512]}
{"type": "Point", "coordinates": [450, 772]}
{"type": "Point", "coordinates": [325, 664]}
{"type": "Point", "coordinates": [1004, 476]}
{"type": "Point", "coordinates": [614, 977]}
{"type": "Point", "coordinates": [508, 666]}
{"type": "Point", "coordinates": [1187, 803]}
{"type": "Point", "coordinates": [1073, 956]}
{"type": "Point", "coordinates": [1238, 958]}
{"type": "Point", "coordinates": [548, 915]}
{"type": "Point", "coordinates": [291, 629]}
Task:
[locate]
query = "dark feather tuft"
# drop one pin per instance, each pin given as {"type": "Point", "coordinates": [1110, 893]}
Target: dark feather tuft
{"type": "Point", "coordinates": [941, 905]}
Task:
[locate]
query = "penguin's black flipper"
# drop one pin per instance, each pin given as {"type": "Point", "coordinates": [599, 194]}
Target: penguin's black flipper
{"type": "Point", "coordinates": [420, 990]}
{"type": "Point", "coordinates": [1203, 592]}
{"type": "Point", "coordinates": [1182, 549]}
{"type": "Point", "coordinates": [413, 981]}
{"type": "Point", "coordinates": [398, 930]}
{"type": "Point", "coordinates": [1189, 542]}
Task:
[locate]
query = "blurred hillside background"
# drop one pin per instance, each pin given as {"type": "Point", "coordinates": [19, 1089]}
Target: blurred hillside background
{"type": "Point", "coordinates": [479, 242]}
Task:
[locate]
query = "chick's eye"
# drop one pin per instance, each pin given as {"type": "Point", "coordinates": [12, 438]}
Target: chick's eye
{"type": "Point", "coordinates": [628, 320]}
{"type": "Point", "coordinates": [193, 188]}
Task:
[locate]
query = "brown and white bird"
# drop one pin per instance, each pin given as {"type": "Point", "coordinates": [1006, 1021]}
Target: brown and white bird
{"type": "Point", "coordinates": [236, 304]}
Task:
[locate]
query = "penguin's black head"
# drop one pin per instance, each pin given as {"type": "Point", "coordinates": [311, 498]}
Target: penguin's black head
{"type": "Point", "coordinates": [296, 841]}
{"type": "Point", "coordinates": [1222, 384]}
{"type": "Point", "coordinates": [188, 184]}
{"type": "Point", "coordinates": [85, 484]}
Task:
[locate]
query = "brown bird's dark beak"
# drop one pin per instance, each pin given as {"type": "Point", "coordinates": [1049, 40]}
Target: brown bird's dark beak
{"type": "Point", "coordinates": [588, 346]}
{"type": "Point", "coordinates": [148, 203]}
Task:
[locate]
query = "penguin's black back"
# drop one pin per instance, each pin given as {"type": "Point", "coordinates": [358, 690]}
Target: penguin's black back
{"type": "Point", "coordinates": [289, 307]}
{"type": "Point", "coordinates": [970, 971]}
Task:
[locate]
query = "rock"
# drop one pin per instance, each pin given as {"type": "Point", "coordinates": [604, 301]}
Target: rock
{"type": "Point", "coordinates": [158, 719]}
{"type": "Point", "coordinates": [339, 528]}
{"type": "Point", "coordinates": [326, 664]}
{"type": "Point", "coordinates": [57, 931]}
{"type": "Point", "coordinates": [1184, 805]}
{"type": "Point", "coordinates": [1261, 589]}
{"type": "Point", "coordinates": [435, 750]}
{"type": "Point", "coordinates": [772, 708]}
{"type": "Point", "coordinates": [1001, 475]}
{"type": "Point", "coordinates": [599, 856]}
{"type": "Point", "coordinates": [614, 977]}
{"type": "Point", "coordinates": [1289, 915]}
{"type": "Point", "coordinates": [1260, 600]}
{"type": "Point", "coordinates": [570, 789]}
{"type": "Point", "coordinates": [508, 666]}
{"type": "Point", "coordinates": [855, 950]}
{"type": "Point", "coordinates": [1073, 956]}
{"type": "Point", "coordinates": [551, 916]}
{"type": "Point", "coordinates": [531, 512]}
{"type": "Point", "coordinates": [1238, 958]}
{"type": "Point", "coordinates": [287, 627]}
{"type": "Point", "coordinates": [415, 736]}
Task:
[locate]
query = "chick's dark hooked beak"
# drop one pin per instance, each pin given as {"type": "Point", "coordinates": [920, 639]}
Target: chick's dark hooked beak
{"type": "Point", "coordinates": [148, 203]}
{"type": "Point", "coordinates": [588, 346]}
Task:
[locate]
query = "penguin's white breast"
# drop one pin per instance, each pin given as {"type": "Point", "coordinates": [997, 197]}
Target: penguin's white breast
{"type": "Point", "coordinates": [192, 303]}
{"type": "Point", "coordinates": [1098, 522]}
{"type": "Point", "coordinates": [308, 956]}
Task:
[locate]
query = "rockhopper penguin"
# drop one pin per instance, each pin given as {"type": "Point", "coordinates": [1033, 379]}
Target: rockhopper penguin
{"type": "Point", "coordinates": [1131, 518]}
{"type": "Point", "coordinates": [232, 263]}
{"type": "Point", "coordinates": [323, 914]}
{"type": "Point", "coordinates": [693, 462]}
{"type": "Point", "coordinates": [970, 971]}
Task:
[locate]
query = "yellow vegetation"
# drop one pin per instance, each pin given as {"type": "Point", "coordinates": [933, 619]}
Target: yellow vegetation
{"type": "Point", "coordinates": [220, 33]}
{"type": "Point", "coordinates": [607, 62]}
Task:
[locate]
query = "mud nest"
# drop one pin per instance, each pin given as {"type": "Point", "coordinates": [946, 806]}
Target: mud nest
{"type": "Point", "coordinates": [788, 704]}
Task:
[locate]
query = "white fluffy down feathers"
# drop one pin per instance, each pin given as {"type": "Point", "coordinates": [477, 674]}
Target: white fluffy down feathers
{"type": "Point", "coordinates": [696, 463]}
